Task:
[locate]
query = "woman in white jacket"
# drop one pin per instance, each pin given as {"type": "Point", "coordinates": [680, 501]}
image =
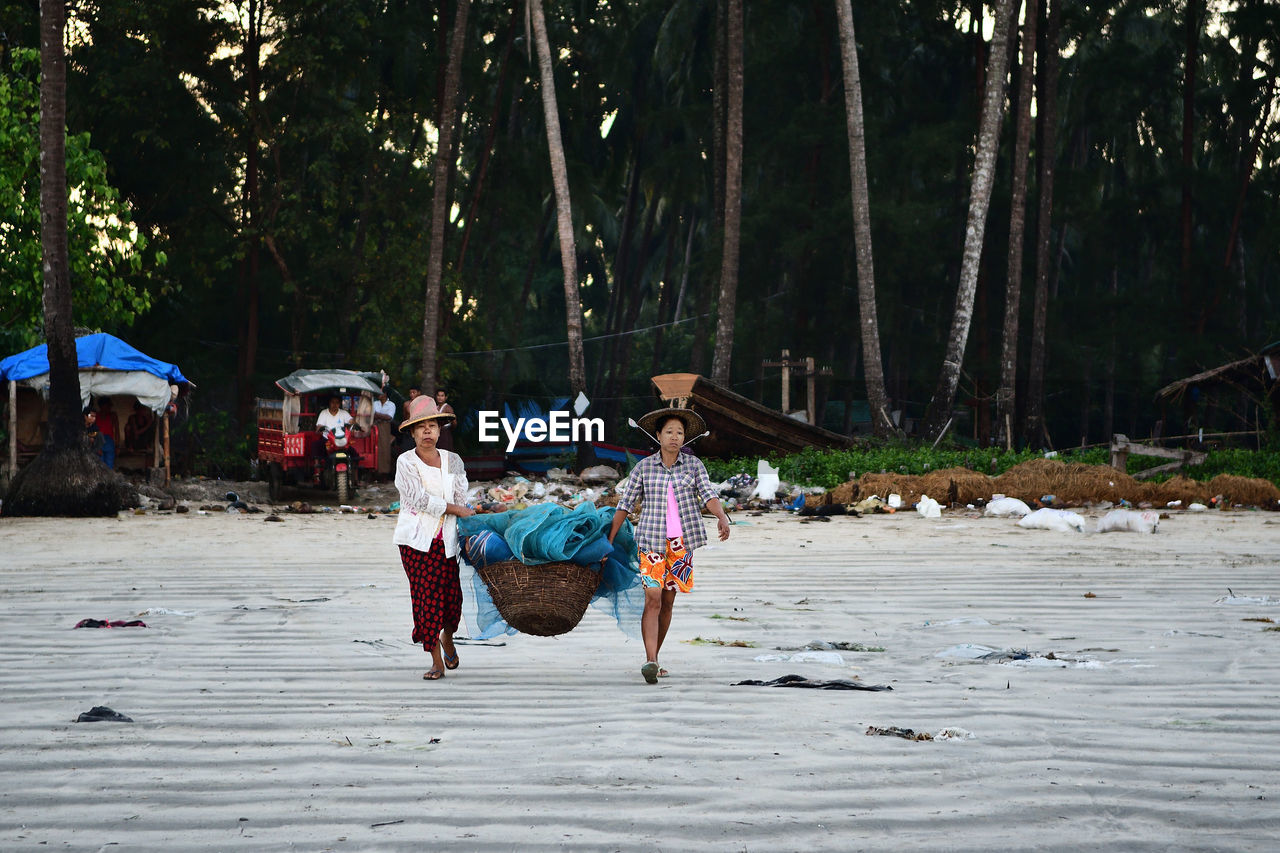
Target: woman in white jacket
{"type": "Point", "coordinates": [433, 490]}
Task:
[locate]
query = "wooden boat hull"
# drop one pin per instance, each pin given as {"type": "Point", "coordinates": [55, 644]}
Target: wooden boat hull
{"type": "Point", "coordinates": [740, 426]}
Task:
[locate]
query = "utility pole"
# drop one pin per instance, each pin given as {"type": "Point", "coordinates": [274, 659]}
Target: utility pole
{"type": "Point", "coordinates": [805, 369]}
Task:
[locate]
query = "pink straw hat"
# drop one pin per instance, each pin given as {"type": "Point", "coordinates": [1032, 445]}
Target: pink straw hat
{"type": "Point", "coordinates": [421, 409]}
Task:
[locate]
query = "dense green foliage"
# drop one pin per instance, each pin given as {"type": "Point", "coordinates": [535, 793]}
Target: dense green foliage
{"type": "Point", "coordinates": [320, 257]}
{"type": "Point", "coordinates": [830, 468]}
{"type": "Point", "coordinates": [111, 266]}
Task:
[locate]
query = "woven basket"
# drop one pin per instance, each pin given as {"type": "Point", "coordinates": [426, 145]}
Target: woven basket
{"type": "Point", "coordinates": [542, 600]}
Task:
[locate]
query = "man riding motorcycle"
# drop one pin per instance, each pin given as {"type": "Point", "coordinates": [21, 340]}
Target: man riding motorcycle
{"type": "Point", "coordinates": [333, 417]}
{"type": "Point", "coordinates": [333, 424]}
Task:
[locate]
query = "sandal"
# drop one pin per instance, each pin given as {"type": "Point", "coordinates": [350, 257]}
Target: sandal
{"type": "Point", "coordinates": [450, 660]}
{"type": "Point", "coordinates": [662, 673]}
{"type": "Point", "coordinates": [650, 672]}
{"type": "Point", "coordinates": [433, 675]}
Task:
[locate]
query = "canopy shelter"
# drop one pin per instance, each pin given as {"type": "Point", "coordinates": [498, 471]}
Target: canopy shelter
{"type": "Point", "coordinates": [1232, 387]}
{"type": "Point", "coordinates": [109, 367]}
{"type": "Point", "coordinates": [359, 387]}
{"type": "Point", "coordinates": [333, 379]}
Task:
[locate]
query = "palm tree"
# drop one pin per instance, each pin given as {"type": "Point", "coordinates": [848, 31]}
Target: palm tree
{"type": "Point", "coordinates": [732, 201]}
{"type": "Point", "coordinates": [564, 212]}
{"type": "Point", "coordinates": [873, 369]}
{"type": "Point", "coordinates": [250, 295]}
{"type": "Point", "coordinates": [1006, 402]}
{"type": "Point", "coordinates": [65, 479]}
{"type": "Point", "coordinates": [1193, 23]}
{"type": "Point", "coordinates": [1046, 158]}
{"type": "Point", "coordinates": [719, 84]}
{"type": "Point", "coordinates": [440, 195]}
{"type": "Point", "coordinates": [938, 415]}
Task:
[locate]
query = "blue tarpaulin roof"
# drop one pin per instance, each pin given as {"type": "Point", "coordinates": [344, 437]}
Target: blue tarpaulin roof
{"type": "Point", "coordinates": [93, 351]}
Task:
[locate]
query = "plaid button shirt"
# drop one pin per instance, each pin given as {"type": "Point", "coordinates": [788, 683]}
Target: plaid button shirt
{"type": "Point", "coordinates": [648, 482]}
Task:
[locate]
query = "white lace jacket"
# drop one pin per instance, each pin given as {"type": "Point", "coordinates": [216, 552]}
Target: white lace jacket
{"type": "Point", "coordinates": [424, 493]}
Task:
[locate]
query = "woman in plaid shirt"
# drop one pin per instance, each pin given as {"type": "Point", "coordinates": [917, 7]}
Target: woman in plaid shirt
{"type": "Point", "coordinates": [673, 487]}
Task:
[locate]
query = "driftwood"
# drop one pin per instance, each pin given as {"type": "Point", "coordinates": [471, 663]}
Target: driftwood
{"type": "Point", "coordinates": [1121, 447]}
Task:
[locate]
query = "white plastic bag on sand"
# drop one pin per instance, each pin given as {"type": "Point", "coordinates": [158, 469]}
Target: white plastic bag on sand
{"type": "Point", "coordinates": [1003, 507]}
{"type": "Point", "coordinates": [599, 474]}
{"type": "Point", "coordinates": [966, 651]}
{"type": "Point", "coordinates": [954, 733]}
{"type": "Point", "coordinates": [1197, 507]}
{"type": "Point", "coordinates": [928, 507]}
{"type": "Point", "coordinates": [803, 657]}
{"type": "Point", "coordinates": [1250, 600]}
{"type": "Point", "coordinates": [1128, 521]}
{"type": "Point", "coordinates": [1053, 519]}
{"type": "Point", "coordinates": [767, 481]}
{"type": "Point", "coordinates": [895, 501]}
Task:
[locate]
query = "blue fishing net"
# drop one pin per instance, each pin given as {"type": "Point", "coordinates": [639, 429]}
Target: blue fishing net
{"type": "Point", "coordinates": [547, 532]}
{"type": "Point", "coordinates": [550, 533]}
{"type": "Point", "coordinates": [484, 622]}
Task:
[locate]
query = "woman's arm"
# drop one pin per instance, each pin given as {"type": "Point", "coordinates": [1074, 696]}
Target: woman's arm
{"type": "Point", "coordinates": [722, 525]}
{"type": "Point", "coordinates": [709, 498]}
{"type": "Point", "coordinates": [618, 517]}
{"type": "Point", "coordinates": [459, 506]}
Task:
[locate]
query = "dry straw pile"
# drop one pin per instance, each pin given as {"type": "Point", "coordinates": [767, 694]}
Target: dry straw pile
{"type": "Point", "coordinates": [1246, 491]}
{"type": "Point", "coordinates": [1070, 484]}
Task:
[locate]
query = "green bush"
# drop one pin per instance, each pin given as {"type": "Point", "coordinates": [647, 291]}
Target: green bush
{"type": "Point", "coordinates": [829, 468]}
{"type": "Point", "coordinates": [218, 449]}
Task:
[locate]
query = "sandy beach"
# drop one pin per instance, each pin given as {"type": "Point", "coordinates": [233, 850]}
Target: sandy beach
{"type": "Point", "coordinates": [277, 702]}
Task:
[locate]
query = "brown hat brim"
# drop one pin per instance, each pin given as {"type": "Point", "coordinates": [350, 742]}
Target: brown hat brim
{"type": "Point", "coordinates": [436, 417]}
{"type": "Point", "coordinates": [694, 425]}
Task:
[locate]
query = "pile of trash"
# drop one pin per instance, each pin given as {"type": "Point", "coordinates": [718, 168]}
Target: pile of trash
{"type": "Point", "coordinates": [598, 485]}
{"type": "Point", "coordinates": [603, 486]}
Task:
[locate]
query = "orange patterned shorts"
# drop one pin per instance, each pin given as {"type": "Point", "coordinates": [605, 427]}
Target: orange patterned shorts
{"type": "Point", "coordinates": [670, 570]}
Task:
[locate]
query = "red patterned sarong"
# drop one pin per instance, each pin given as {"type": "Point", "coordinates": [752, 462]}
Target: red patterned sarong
{"type": "Point", "coordinates": [672, 569]}
{"type": "Point", "coordinates": [435, 590]}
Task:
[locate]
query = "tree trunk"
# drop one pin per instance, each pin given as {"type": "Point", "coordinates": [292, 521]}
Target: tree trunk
{"type": "Point", "coordinates": [725, 313]}
{"type": "Point", "coordinates": [629, 279]}
{"type": "Point", "coordinates": [1046, 157]}
{"type": "Point", "coordinates": [247, 355]}
{"type": "Point", "coordinates": [624, 344]}
{"type": "Point", "coordinates": [1248, 160]}
{"type": "Point", "coordinates": [440, 196]}
{"type": "Point", "coordinates": [938, 414]}
{"type": "Point", "coordinates": [697, 355]}
{"type": "Point", "coordinates": [490, 137]}
{"type": "Point", "coordinates": [1190, 61]}
{"type": "Point", "coordinates": [665, 296]}
{"type": "Point", "coordinates": [1006, 400]}
{"type": "Point", "coordinates": [869, 325]}
{"type": "Point", "coordinates": [1087, 380]}
{"type": "Point", "coordinates": [508, 357]}
{"type": "Point", "coordinates": [66, 479]}
{"type": "Point", "coordinates": [617, 292]}
{"type": "Point", "coordinates": [564, 214]}
{"type": "Point", "coordinates": [1109, 389]}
